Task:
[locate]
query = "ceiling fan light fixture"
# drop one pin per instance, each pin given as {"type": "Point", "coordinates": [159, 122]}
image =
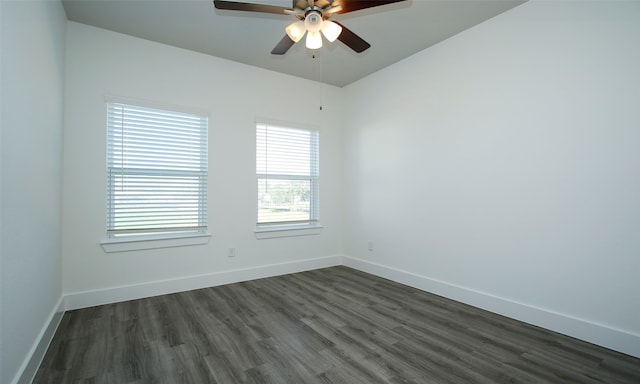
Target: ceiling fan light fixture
{"type": "Point", "coordinates": [314, 40]}
{"type": "Point", "coordinates": [331, 30]}
{"type": "Point", "coordinates": [296, 30]}
{"type": "Point", "coordinates": [313, 21]}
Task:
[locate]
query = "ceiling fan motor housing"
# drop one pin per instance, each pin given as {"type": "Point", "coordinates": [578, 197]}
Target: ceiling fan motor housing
{"type": "Point", "coordinates": [313, 21]}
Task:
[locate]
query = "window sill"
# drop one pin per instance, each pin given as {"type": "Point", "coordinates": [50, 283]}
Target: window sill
{"type": "Point", "coordinates": [138, 243]}
{"type": "Point", "coordinates": [274, 232]}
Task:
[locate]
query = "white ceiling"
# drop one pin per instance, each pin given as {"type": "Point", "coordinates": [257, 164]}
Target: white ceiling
{"type": "Point", "coordinates": [395, 31]}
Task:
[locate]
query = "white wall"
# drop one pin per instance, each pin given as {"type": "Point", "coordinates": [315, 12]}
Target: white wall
{"type": "Point", "coordinates": [33, 43]}
{"type": "Point", "coordinates": [100, 62]}
{"type": "Point", "coordinates": [502, 168]}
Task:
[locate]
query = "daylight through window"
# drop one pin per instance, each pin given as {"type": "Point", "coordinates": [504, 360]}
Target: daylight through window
{"type": "Point", "coordinates": [287, 170]}
{"type": "Point", "coordinates": [157, 171]}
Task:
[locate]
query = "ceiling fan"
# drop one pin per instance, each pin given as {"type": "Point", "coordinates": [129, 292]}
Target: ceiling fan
{"type": "Point", "coordinates": [313, 19]}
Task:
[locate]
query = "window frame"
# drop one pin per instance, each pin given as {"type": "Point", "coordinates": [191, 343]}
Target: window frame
{"type": "Point", "coordinates": [157, 238]}
{"type": "Point", "coordinates": [286, 229]}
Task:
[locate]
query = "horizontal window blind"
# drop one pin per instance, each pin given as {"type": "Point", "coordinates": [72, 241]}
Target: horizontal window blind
{"type": "Point", "coordinates": [157, 171]}
{"type": "Point", "coordinates": [287, 169]}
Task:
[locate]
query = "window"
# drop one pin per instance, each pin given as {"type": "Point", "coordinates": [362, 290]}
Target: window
{"type": "Point", "coordinates": [287, 170]}
{"type": "Point", "coordinates": [156, 172]}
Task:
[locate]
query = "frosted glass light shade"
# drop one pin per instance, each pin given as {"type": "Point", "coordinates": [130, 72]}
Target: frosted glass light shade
{"type": "Point", "coordinates": [296, 30]}
{"type": "Point", "coordinates": [314, 40]}
{"type": "Point", "coordinates": [331, 30]}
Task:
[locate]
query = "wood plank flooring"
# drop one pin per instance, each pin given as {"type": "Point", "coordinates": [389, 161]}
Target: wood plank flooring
{"type": "Point", "coordinates": [334, 325]}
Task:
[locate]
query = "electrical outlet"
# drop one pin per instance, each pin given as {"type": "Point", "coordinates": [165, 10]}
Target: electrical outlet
{"type": "Point", "coordinates": [231, 252]}
{"type": "Point", "coordinates": [370, 246]}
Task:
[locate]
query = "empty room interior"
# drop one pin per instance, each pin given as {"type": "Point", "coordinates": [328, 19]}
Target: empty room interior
{"type": "Point", "coordinates": [467, 211]}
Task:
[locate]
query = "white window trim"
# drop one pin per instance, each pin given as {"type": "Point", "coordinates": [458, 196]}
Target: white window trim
{"type": "Point", "coordinates": [156, 241]}
{"type": "Point", "coordinates": [137, 243]}
{"type": "Point", "coordinates": [270, 231]}
{"type": "Point", "coordinates": [109, 98]}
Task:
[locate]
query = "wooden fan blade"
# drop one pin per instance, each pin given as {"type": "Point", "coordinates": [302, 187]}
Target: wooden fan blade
{"type": "Point", "coordinates": [352, 40]}
{"type": "Point", "coordinates": [283, 46]}
{"type": "Point", "coordinates": [356, 5]}
{"type": "Point", "coordinates": [238, 6]}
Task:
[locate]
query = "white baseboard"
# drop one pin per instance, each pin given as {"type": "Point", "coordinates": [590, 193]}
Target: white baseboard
{"type": "Point", "coordinates": [29, 367]}
{"type": "Point", "coordinates": [130, 292]}
{"type": "Point", "coordinates": [598, 334]}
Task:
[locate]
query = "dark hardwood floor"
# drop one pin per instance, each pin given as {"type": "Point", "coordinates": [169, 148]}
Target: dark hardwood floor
{"type": "Point", "coordinates": [334, 325]}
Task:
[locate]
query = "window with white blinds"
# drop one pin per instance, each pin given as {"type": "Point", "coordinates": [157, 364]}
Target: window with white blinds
{"type": "Point", "coordinates": [287, 170]}
{"type": "Point", "coordinates": [157, 171]}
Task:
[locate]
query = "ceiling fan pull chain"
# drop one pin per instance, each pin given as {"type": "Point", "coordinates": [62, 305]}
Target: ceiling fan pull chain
{"type": "Point", "coordinates": [319, 71]}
